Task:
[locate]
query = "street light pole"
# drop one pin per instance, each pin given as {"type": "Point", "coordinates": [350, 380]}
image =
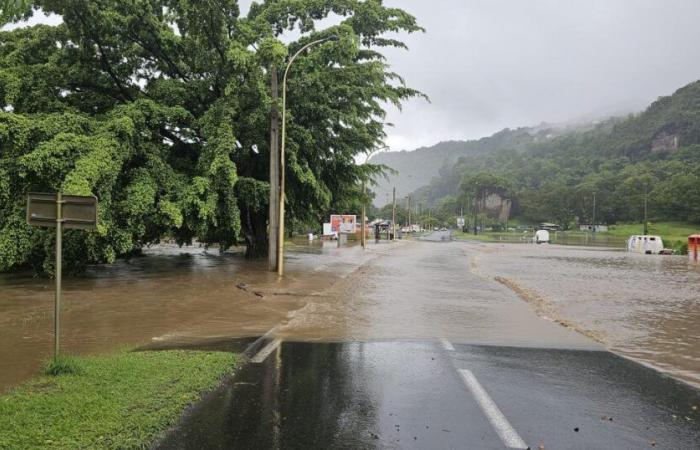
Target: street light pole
{"type": "Point", "coordinates": [280, 234]}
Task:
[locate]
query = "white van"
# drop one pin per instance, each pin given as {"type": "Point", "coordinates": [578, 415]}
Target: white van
{"type": "Point", "coordinates": [541, 237]}
{"type": "Point", "coordinates": [645, 244]}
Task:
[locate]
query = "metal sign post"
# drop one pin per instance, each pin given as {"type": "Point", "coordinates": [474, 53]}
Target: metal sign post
{"type": "Point", "coordinates": [59, 265]}
{"type": "Point", "coordinates": [61, 211]}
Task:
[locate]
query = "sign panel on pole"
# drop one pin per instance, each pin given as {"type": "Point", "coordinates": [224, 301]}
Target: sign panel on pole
{"type": "Point", "coordinates": [77, 212]}
{"type": "Point", "coordinates": [59, 212]}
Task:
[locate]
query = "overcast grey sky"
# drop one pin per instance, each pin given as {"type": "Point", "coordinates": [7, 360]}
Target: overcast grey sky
{"type": "Point", "coordinates": [491, 64]}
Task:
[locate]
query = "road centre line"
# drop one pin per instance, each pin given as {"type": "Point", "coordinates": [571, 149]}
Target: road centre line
{"type": "Point", "coordinates": [498, 421]}
{"type": "Point", "coordinates": [266, 351]}
{"type": "Point", "coordinates": [447, 345]}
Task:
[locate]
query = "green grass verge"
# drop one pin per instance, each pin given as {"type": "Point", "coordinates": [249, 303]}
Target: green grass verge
{"type": "Point", "coordinates": [124, 400]}
{"type": "Point", "coordinates": [671, 231]}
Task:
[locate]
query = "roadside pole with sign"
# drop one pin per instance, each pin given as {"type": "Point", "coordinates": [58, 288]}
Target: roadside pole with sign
{"type": "Point", "coordinates": [61, 211]}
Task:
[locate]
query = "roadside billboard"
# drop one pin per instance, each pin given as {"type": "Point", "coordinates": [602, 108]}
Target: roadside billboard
{"type": "Point", "coordinates": [344, 223]}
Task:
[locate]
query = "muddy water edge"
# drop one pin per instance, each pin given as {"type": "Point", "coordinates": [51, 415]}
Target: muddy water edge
{"type": "Point", "coordinates": [170, 294]}
{"type": "Point", "coordinates": [645, 307]}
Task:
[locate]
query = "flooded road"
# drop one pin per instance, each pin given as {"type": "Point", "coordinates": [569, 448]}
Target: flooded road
{"type": "Point", "coordinates": [172, 294]}
{"type": "Point", "coordinates": [646, 308]}
{"type": "Point", "coordinates": [642, 306]}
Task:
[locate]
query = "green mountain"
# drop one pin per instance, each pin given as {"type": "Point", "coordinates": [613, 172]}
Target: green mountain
{"type": "Point", "coordinates": [654, 153]}
{"type": "Point", "coordinates": [417, 168]}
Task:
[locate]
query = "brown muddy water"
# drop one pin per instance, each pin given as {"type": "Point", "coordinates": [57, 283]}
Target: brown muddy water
{"type": "Point", "coordinates": [646, 307]}
{"type": "Point", "coordinates": [171, 294]}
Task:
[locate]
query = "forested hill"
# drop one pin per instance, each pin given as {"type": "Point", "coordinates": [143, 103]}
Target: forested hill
{"type": "Point", "coordinates": [417, 168]}
{"type": "Point", "coordinates": [555, 179]}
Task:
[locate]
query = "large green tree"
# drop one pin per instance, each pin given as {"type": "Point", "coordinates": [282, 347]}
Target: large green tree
{"type": "Point", "coordinates": [161, 108]}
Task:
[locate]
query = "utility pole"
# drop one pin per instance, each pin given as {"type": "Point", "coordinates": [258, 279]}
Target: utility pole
{"type": "Point", "coordinates": [420, 214]}
{"type": "Point", "coordinates": [363, 238]}
{"type": "Point", "coordinates": [646, 197]}
{"type": "Point", "coordinates": [273, 222]}
{"type": "Point", "coordinates": [594, 227]}
{"type": "Point", "coordinates": [475, 214]}
{"type": "Point", "coordinates": [393, 214]}
{"type": "Point", "coordinates": [409, 213]}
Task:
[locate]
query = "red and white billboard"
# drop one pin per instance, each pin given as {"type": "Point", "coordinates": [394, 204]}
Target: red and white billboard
{"type": "Point", "coordinates": [344, 223]}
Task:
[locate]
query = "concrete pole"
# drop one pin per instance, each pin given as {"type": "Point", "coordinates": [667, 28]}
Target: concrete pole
{"type": "Point", "coordinates": [594, 227]}
{"type": "Point", "coordinates": [273, 222]}
{"type": "Point", "coordinates": [363, 238]}
{"type": "Point", "coordinates": [409, 213]}
{"type": "Point", "coordinates": [393, 214]}
{"type": "Point", "coordinates": [646, 223]}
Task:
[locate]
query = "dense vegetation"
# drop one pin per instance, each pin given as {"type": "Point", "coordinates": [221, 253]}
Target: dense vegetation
{"type": "Point", "coordinates": [415, 169]}
{"type": "Point", "coordinates": [655, 154]}
{"type": "Point", "coordinates": [161, 108]}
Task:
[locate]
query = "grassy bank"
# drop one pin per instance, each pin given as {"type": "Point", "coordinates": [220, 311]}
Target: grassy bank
{"type": "Point", "coordinates": [674, 234]}
{"type": "Point", "coordinates": [669, 231]}
{"type": "Point", "coordinates": [493, 236]}
{"type": "Point", "coordinates": [125, 400]}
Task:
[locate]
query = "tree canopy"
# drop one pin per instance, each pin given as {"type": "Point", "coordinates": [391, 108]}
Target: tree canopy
{"type": "Point", "coordinates": [161, 108]}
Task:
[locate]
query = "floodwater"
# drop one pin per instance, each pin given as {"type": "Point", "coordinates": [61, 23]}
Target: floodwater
{"type": "Point", "coordinates": [646, 307]}
{"type": "Point", "coordinates": [171, 294]}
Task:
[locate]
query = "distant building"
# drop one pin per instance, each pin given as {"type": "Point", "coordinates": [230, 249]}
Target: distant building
{"type": "Point", "coordinates": [549, 226]}
{"type": "Point", "coordinates": [594, 228]}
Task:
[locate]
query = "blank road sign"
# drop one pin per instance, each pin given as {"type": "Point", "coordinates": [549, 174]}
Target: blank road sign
{"type": "Point", "coordinates": [77, 211]}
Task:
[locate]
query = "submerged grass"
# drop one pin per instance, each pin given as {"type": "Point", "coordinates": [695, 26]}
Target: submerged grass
{"type": "Point", "coordinates": [125, 400]}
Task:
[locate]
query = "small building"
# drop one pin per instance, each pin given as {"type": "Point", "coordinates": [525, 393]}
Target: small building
{"type": "Point", "coordinates": [549, 227]}
{"type": "Point", "coordinates": [594, 228]}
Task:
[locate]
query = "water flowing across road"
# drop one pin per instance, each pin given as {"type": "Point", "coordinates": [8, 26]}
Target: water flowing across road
{"type": "Point", "coordinates": [646, 308]}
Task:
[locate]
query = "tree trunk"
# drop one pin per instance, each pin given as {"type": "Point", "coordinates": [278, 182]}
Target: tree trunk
{"type": "Point", "coordinates": [255, 229]}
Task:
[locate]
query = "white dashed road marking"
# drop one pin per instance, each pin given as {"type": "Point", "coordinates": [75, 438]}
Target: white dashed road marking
{"type": "Point", "coordinates": [266, 351]}
{"type": "Point", "coordinates": [447, 345]}
{"type": "Point", "coordinates": [498, 421]}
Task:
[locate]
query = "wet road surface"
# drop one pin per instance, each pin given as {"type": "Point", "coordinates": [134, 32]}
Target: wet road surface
{"type": "Point", "coordinates": [444, 396]}
{"type": "Point", "coordinates": [420, 349]}
{"type": "Point", "coordinates": [413, 345]}
{"type": "Point", "coordinates": [643, 306]}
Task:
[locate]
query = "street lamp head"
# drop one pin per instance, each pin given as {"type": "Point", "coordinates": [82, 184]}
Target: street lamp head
{"type": "Point", "coordinates": [333, 38]}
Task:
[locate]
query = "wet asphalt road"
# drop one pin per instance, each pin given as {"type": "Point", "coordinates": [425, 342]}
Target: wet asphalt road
{"type": "Point", "coordinates": [547, 390]}
{"type": "Point", "coordinates": [413, 395]}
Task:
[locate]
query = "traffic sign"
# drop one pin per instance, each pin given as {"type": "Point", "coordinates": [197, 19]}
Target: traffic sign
{"type": "Point", "coordinates": [77, 211]}
{"type": "Point", "coordinates": [61, 211]}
